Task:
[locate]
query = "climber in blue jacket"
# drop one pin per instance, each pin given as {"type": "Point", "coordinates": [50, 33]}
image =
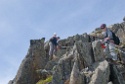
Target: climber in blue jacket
{"type": "Point", "coordinates": [53, 43]}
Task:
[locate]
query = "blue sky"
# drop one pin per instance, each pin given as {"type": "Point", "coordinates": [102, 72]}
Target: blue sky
{"type": "Point", "coordinates": [22, 20]}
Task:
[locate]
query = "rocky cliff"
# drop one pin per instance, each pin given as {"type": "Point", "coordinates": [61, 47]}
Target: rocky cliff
{"type": "Point", "coordinates": [80, 60]}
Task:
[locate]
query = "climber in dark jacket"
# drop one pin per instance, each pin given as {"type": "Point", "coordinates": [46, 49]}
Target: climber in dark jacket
{"type": "Point", "coordinates": [53, 45]}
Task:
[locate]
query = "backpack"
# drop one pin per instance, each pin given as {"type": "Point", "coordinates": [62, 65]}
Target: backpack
{"type": "Point", "coordinates": [115, 38]}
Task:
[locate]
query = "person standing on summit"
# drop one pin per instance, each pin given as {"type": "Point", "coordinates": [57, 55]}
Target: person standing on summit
{"type": "Point", "coordinates": [53, 43]}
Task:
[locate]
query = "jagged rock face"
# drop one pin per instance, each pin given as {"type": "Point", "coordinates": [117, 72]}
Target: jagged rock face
{"type": "Point", "coordinates": [98, 51]}
{"type": "Point", "coordinates": [119, 29]}
{"type": "Point", "coordinates": [35, 59]}
{"type": "Point", "coordinates": [101, 73]}
{"type": "Point", "coordinates": [80, 60]}
{"type": "Point", "coordinates": [80, 51]}
{"type": "Point", "coordinates": [124, 19]}
{"type": "Point", "coordinates": [10, 82]}
{"type": "Point", "coordinates": [63, 69]}
{"type": "Point", "coordinates": [85, 54]}
{"type": "Point", "coordinates": [76, 77]}
{"type": "Point", "coordinates": [118, 74]}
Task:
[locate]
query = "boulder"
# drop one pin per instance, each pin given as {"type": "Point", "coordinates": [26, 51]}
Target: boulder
{"type": "Point", "coordinates": [35, 59]}
{"type": "Point", "coordinates": [101, 74]}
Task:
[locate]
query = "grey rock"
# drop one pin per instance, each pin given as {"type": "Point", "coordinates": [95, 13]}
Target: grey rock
{"type": "Point", "coordinates": [80, 60]}
{"type": "Point", "coordinates": [10, 82]}
{"type": "Point", "coordinates": [101, 73]}
{"type": "Point", "coordinates": [110, 83]}
{"type": "Point", "coordinates": [124, 19]}
{"type": "Point", "coordinates": [35, 59]}
{"type": "Point", "coordinates": [118, 74]}
{"type": "Point", "coordinates": [86, 53]}
{"type": "Point", "coordinates": [98, 51]}
{"type": "Point", "coordinates": [76, 77]}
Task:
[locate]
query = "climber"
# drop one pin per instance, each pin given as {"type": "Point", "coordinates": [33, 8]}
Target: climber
{"type": "Point", "coordinates": [109, 43]}
{"type": "Point", "coordinates": [106, 33]}
{"type": "Point", "coordinates": [53, 43]}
